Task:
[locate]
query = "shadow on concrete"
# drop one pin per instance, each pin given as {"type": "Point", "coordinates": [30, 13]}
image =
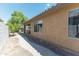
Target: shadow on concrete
{"type": "Point", "coordinates": [41, 49]}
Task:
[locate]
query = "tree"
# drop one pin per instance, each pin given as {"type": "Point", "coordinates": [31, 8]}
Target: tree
{"type": "Point", "coordinates": [1, 20]}
{"type": "Point", "coordinates": [16, 21]}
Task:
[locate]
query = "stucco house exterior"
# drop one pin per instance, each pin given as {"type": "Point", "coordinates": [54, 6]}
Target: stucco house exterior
{"type": "Point", "coordinates": [58, 26]}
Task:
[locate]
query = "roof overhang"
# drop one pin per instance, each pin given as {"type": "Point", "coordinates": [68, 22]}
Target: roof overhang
{"type": "Point", "coordinates": [52, 9]}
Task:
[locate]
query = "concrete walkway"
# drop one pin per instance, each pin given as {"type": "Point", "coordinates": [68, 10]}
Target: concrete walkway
{"type": "Point", "coordinates": [20, 45]}
{"type": "Point", "coordinates": [41, 49]}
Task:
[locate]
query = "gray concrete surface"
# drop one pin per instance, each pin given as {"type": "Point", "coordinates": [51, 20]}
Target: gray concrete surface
{"type": "Point", "coordinates": [21, 46]}
{"type": "Point", "coordinates": [41, 49]}
{"type": "Point", "coordinates": [4, 34]}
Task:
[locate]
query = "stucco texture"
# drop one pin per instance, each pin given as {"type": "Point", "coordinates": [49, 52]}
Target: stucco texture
{"type": "Point", "coordinates": [55, 27]}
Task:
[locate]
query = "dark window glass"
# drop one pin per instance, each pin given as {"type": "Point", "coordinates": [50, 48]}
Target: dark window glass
{"type": "Point", "coordinates": [73, 26]}
{"type": "Point", "coordinates": [37, 27]}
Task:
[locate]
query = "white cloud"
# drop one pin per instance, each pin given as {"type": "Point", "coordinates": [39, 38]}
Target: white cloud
{"type": "Point", "coordinates": [47, 5]}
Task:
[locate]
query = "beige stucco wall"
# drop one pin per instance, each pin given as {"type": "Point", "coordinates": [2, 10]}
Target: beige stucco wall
{"type": "Point", "coordinates": [55, 28]}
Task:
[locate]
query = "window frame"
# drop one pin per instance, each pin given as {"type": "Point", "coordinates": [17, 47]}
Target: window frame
{"type": "Point", "coordinates": [37, 24]}
{"type": "Point", "coordinates": [71, 38]}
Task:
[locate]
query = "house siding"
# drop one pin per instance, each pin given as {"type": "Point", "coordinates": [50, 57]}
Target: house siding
{"type": "Point", "coordinates": [55, 28]}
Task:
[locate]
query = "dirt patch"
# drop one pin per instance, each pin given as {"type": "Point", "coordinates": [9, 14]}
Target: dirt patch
{"type": "Point", "coordinates": [12, 48]}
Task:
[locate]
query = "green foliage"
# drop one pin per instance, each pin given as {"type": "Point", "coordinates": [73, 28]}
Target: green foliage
{"type": "Point", "coordinates": [16, 21]}
{"type": "Point", "coordinates": [1, 20]}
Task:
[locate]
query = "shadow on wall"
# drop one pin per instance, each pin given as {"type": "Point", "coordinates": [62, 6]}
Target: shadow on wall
{"type": "Point", "coordinates": [59, 50]}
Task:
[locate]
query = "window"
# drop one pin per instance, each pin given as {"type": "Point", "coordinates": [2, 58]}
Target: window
{"type": "Point", "coordinates": [38, 26]}
{"type": "Point", "coordinates": [28, 28]}
{"type": "Point", "coordinates": [73, 23]}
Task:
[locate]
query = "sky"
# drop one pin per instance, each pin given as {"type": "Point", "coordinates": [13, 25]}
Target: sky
{"type": "Point", "coordinates": [28, 9]}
